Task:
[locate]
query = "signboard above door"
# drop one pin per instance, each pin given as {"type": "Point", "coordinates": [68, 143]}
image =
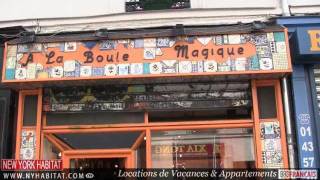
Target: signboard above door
{"type": "Point", "coordinates": [160, 97]}
{"type": "Point", "coordinates": [147, 57]}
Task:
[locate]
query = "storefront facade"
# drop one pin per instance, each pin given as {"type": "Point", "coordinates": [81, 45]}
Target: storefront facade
{"type": "Point", "coordinates": [8, 99]}
{"type": "Point", "coordinates": [305, 33]}
{"type": "Point", "coordinates": [194, 99]}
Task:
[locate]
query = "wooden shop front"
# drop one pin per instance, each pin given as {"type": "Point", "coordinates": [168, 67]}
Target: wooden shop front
{"type": "Point", "coordinates": [194, 101]}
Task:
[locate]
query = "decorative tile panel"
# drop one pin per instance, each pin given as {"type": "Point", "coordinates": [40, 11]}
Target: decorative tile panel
{"type": "Point", "coordinates": [261, 52]}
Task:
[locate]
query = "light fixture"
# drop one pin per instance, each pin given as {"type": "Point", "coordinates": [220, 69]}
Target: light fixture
{"type": "Point", "coordinates": [258, 26]}
{"type": "Point", "coordinates": [179, 30]}
{"type": "Point", "coordinates": [104, 33]}
{"type": "Point", "coordinates": [28, 37]}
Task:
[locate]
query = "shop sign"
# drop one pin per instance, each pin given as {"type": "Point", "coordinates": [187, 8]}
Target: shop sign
{"type": "Point", "coordinates": [305, 141]}
{"type": "Point", "coordinates": [146, 57]}
{"type": "Point", "coordinates": [185, 149]}
{"type": "Point", "coordinates": [308, 158]}
{"type": "Point", "coordinates": [308, 40]}
{"type": "Point", "coordinates": [145, 97]}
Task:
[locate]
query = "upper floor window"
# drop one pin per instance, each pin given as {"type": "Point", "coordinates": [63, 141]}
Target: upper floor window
{"type": "Point", "coordinates": [145, 5]}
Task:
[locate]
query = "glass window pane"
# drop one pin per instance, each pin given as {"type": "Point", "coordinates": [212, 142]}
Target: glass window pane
{"type": "Point", "coordinates": [30, 110]}
{"type": "Point", "coordinates": [213, 148]}
{"type": "Point", "coordinates": [99, 140]}
{"type": "Point", "coordinates": [88, 118]}
{"type": "Point", "coordinates": [267, 102]}
{"type": "Point", "coordinates": [50, 151]}
{"type": "Point", "coordinates": [141, 155]}
{"type": "Point", "coordinates": [200, 115]}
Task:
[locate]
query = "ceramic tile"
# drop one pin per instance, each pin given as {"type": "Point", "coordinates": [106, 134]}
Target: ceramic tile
{"type": "Point", "coordinates": [69, 65]}
{"type": "Point", "coordinates": [36, 47]}
{"type": "Point", "coordinates": [281, 47]}
{"type": "Point", "coordinates": [85, 71]}
{"type": "Point", "coordinates": [97, 71]}
{"type": "Point", "coordinates": [279, 36]}
{"type": "Point", "coordinates": [225, 39]}
{"type": "Point", "coordinates": [11, 62]}
{"type": "Point", "coordinates": [204, 40]}
{"type": "Point", "coordinates": [138, 43]}
{"type": "Point", "coordinates": [218, 40]}
{"type": "Point", "coordinates": [146, 68]}
{"type": "Point", "coordinates": [210, 66]}
{"type": "Point", "coordinates": [270, 36]}
{"type": "Point", "coordinates": [21, 73]}
{"type": "Point", "coordinates": [89, 44]}
{"type": "Point", "coordinates": [149, 53]}
{"type": "Point", "coordinates": [163, 42]}
{"type": "Point", "coordinates": [110, 70]}
{"type": "Point", "coordinates": [280, 61]}
{"type": "Point", "coordinates": [234, 39]}
{"type": "Point", "coordinates": [19, 56]}
{"type": "Point", "coordinates": [70, 46]}
{"type": "Point", "coordinates": [254, 63]}
{"type": "Point", "coordinates": [31, 71]}
{"type": "Point", "coordinates": [264, 51]}
{"type": "Point", "coordinates": [272, 46]}
{"type": "Point", "coordinates": [23, 48]}
{"type": "Point", "coordinates": [185, 67]}
{"type": "Point", "coordinates": [159, 52]}
{"type": "Point", "coordinates": [266, 64]}
{"type": "Point", "coordinates": [12, 50]}
{"type": "Point", "coordinates": [156, 68]}
{"type": "Point", "coordinates": [150, 42]}
{"type": "Point", "coordinates": [10, 74]}
{"type": "Point", "coordinates": [136, 68]}
{"type": "Point", "coordinates": [226, 66]}
{"type": "Point", "coordinates": [169, 66]}
{"type": "Point", "coordinates": [56, 72]}
{"type": "Point", "coordinates": [241, 64]}
{"type": "Point", "coordinates": [107, 45]}
{"type": "Point", "coordinates": [123, 69]}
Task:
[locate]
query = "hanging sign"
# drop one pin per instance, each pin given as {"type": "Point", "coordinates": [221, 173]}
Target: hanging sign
{"type": "Point", "coordinates": [146, 57]}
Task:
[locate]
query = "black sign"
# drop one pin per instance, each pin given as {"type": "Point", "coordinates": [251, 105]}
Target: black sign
{"type": "Point", "coordinates": [147, 97]}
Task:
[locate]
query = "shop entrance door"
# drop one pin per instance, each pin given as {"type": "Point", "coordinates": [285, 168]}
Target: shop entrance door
{"type": "Point", "coordinates": [96, 159]}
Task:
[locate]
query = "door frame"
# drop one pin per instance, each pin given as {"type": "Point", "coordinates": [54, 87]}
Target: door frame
{"type": "Point", "coordinates": [127, 154]}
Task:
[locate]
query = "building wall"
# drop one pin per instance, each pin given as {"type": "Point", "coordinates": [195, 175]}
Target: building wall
{"type": "Point", "coordinates": [304, 6]}
{"type": "Point", "coordinates": [81, 15]}
{"type": "Point", "coordinates": [91, 15]}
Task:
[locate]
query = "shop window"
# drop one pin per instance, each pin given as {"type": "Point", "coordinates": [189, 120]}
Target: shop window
{"type": "Point", "coordinates": [267, 102]}
{"type": "Point", "coordinates": [148, 97]}
{"type": "Point", "coordinates": [200, 115]}
{"type": "Point", "coordinates": [89, 118]}
{"type": "Point", "coordinates": [30, 110]}
{"type": "Point", "coordinates": [145, 5]}
{"type": "Point", "coordinates": [214, 148]}
{"type": "Point", "coordinates": [103, 140]}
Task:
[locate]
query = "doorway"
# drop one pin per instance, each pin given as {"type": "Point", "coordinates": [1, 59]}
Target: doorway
{"type": "Point", "coordinates": [105, 158]}
{"type": "Point", "coordinates": [97, 163]}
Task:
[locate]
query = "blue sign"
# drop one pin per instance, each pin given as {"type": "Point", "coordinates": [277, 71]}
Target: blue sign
{"type": "Point", "coordinates": [304, 122]}
{"type": "Point", "coordinates": [308, 40]}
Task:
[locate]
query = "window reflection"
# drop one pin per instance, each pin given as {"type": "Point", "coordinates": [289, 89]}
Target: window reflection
{"type": "Point", "coordinates": [50, 151]}
{"type": "Point", "coordinates": [215, 148]}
